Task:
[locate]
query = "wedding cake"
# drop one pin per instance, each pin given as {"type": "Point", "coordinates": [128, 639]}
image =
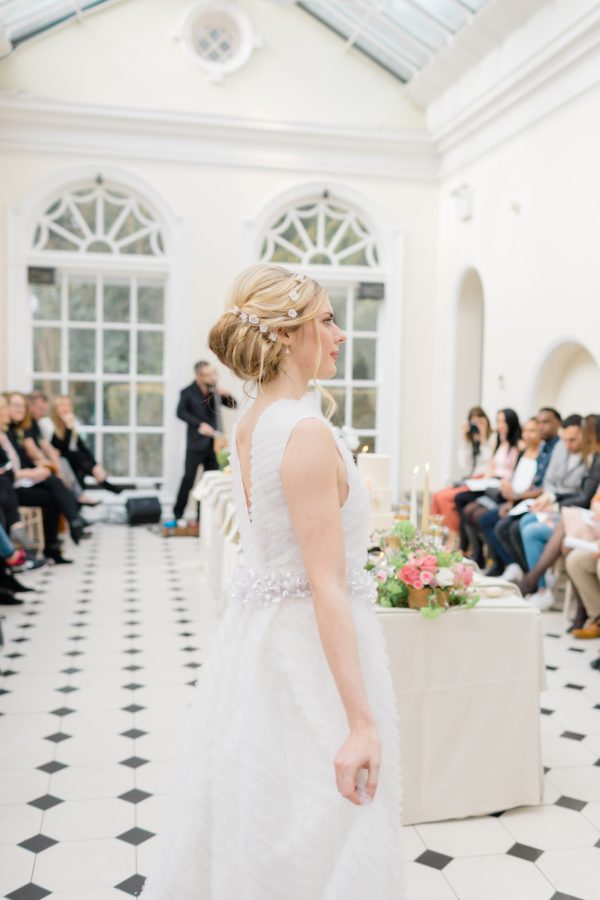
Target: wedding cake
{"type": "Point", "coordinates": [374, 469]}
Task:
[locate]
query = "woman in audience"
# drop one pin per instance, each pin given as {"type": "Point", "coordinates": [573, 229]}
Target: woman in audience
{"type": "Point", "coordinates": [474, 455]}
{"type": "Point", "coordinates": [481, 516]}
{"type": "Point", "coordinates": [69, 443]}
{"type": "Point", "coordinates": [501, 467]}
{"type": "Point", "coordinates": [36, 485]}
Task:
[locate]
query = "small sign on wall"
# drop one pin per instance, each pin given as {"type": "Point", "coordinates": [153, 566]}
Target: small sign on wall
{"type": "Point", "coordinates": [41, 275]}
{"type": "Point", "coordinates": [371, 290]}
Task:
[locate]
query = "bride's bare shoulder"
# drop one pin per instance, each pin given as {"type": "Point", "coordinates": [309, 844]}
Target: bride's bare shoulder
{"type": "Point", "coordinates": [310, 445]}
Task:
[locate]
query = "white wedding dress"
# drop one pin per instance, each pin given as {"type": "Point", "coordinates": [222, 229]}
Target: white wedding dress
{"type": "Point", "coordinates": [255, 813]}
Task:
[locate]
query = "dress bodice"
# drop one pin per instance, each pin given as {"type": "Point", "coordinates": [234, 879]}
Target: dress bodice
{"type": "Point", "coordinates": [269, 545]}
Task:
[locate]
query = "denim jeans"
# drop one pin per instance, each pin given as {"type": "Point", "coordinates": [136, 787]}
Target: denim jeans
{"type": "Point", "coordinates": [7, 548]}
{"type": "Point", "coordinates": [535, 537]}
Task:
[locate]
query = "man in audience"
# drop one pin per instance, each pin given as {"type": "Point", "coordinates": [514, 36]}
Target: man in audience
{"type": "Point", "coordinates": [505, 543]}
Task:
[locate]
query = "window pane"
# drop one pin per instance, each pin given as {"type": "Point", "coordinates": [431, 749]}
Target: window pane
{"type": "Point", "coordinates": [45, 301]}
{"type": "Point", "coordinates": [49, 386]}
{"type": "Point", "coordinates": [339, 303]}
{"type": "Point", "coordinates": [149, 456]}
{"type": "Point", "coordinates": [116, 454]}
{"type": "Point", "coordinates": [365, 314]}
{"type": "Point", "coordinates": [363, 407]}
{"type": "Point", "coordinates": [363, 358]}
{"type": "Point", "coordinates": [150, 404]}
{"type": "Point", "coordinates": [46, 349]}
{"type": "Point", "coordinates": [116, 403]}
{"type": "Point", "coordinates": [116, 352]}
{"type": "Point", "coordinates": [367, 440]}
{"type": "Point", "coordinates": [151, 304]}
{"type": "Point", "coordinates": [341, 363]}
{"type": "Point", "coordinates": [339, 395]}
{"type": "Point", "coordinates": [82, 350]}
{"type": "Point", "coordinates": [150, 353]}
{"type": "Point", "coordinates": [116, 302]}
{"type": "Point", "coordinates": [83, 396]}
{"type": "Point", "coordinates": [82, 301]}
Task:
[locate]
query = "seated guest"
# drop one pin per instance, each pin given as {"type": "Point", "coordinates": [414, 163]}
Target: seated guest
{"type": "Point", "coordinates": [507, 546]}
{"type": "Point", "coordinates": [502, 464]}
{"type": "Point", "coordinates": [585, 497]}
{"type": "Point", "coordinates": [12, 558]}
{"type": "Point", "coordinates": [583, 568]}
{"type": "Point", "coordinates": [68, 442]}
{"type": "Point", "coordinates": [474, 455]}
{"type": "Point", "coordinates": [484, 514]}
{"type": "Point", "coordinates": [41, 451]}
{"type": "Point", "coordinates": [36, 485]}
{"type": "Point", "coordinates": [566, 473]}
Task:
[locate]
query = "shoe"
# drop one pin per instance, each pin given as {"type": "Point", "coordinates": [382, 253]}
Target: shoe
{"type": "Point", "coordinates": [87, 500]}
{"type": "Point", "coordinates": [113, 488]}
{"type": "Point", "coordinates": [16, 559]}
{"type": "Point", "coordinates": [494, 571]}
{"type": "Point", "coordinates": [13, 584]}
{"type": "Point", "coordinates": [7, 598]}
{"type": "Point", "coordinates": [595, 664]}
{"type": "Point", "coordinates": [56, 556]}
{"type": "Point", "coordinates": [513, 572]}
{"type": "Point", "coordinates": [35, 562]}
{"type": "Point", "coordinates": [76, 529]}
{"type": "Point", "coordinates": [588, 632]}
{"type": "Point", "coordinates": [170, 523]}
{"type": "Point", "coordinates": [543, 600]}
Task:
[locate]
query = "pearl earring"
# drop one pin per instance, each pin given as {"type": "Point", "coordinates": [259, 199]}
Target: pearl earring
{"type": "Point", "coordinates": [287, 349]}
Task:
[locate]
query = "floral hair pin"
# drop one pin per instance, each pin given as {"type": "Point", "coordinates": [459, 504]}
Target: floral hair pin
{"type": "Point", "coordinates": [252, 319]}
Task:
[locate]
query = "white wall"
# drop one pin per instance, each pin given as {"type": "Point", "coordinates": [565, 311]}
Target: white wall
{"type": "Point", "coordinates": [533, 240]}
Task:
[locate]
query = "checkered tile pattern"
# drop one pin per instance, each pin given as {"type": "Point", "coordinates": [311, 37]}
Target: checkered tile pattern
{"type": "Point", "coordinates": [95, 678]}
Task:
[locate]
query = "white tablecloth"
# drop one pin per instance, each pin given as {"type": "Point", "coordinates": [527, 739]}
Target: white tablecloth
{"type": "Point", "coordinates": [467, 686]}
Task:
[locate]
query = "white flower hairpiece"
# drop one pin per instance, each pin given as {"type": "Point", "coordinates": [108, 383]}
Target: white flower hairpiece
{"type": "Point", "coordinates": [253, 319]}
{"type": "Point", "coordinates": [294, 295]}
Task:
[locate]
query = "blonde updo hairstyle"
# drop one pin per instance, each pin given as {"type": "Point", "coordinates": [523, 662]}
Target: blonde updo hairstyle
{"type": "Point", "coordinates": [263, 291]}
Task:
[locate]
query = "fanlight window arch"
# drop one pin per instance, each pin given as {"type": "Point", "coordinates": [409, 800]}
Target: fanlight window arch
{"type": "Point", "coordinates": [98, 218]}
{"type": "Point", "coordinates": [320, 231]}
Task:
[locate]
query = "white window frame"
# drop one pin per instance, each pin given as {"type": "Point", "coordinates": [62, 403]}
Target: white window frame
{"type": "Point", "coordinates": [389, 272]}
{"type": "Point", "coordinates": [22, 219]}
{"type": "Point", "coordinates": [98, 377]}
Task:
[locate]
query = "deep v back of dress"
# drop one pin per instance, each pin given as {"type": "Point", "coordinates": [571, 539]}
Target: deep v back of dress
{"type": "Point", "coordinates": [255, 813]}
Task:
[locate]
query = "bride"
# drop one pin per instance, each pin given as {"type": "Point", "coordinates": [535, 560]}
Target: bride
{"type": "Point", "coordinates": [288, 777]}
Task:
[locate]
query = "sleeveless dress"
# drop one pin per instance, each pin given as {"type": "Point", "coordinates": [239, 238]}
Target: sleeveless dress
{"type": "Point", "coordinates": [254, 812]}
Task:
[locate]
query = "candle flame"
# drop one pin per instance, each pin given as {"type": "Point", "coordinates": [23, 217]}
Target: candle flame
{"type": "Point", "coordinates": [365, 449]}
{"type": "Point", "coordinates": [416, 470]}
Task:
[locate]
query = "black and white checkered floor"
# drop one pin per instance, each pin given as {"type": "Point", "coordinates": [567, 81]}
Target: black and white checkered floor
{"type": "Point", "coordinates": [97, 671]}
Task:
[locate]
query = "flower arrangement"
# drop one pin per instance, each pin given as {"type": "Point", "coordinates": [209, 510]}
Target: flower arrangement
{"type": "Point", "coordinates": [412, 571]}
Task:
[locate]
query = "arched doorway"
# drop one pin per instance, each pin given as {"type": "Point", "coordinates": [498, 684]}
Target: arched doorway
{"type": "Point", "coordinates": [568, 379]}
{"type": "Point", "coordinates": [468, 353]}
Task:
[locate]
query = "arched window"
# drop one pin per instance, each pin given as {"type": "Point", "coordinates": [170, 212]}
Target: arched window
{"type": "Point", "coordinates": [324, 236]}
{"type": "Point", "coordinates": [97, 294]}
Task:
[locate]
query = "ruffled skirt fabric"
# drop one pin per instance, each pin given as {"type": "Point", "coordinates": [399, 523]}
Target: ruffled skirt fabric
{"type": "Point", "coordinates": [254, 812]}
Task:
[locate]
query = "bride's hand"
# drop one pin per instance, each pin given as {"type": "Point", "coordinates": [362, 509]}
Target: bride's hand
{"type": "Point", "coordinates": [361, 750]}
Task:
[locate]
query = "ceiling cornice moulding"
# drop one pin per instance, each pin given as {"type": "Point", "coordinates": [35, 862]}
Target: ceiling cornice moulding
{"type": "Point", "coordinates": [40, 125]}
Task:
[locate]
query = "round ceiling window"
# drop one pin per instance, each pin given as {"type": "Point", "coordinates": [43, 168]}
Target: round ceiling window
{"type": "Point", "coordinates": [219, 36]}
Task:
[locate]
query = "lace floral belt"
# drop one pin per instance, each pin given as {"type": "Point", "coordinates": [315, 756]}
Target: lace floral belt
{"type": "Point", "coordinates": [247, 586]}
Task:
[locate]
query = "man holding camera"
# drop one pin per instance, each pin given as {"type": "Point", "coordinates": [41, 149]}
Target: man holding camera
{"type": "Point", "coordinates": [199, 407]}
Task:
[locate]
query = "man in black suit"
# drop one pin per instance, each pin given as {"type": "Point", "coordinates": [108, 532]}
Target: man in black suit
{"type": "Point", "coordinates": [199, 406]}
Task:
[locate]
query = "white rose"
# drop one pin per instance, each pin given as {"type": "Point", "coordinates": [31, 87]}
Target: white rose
{"type": "Point", "coordinates": [445, 577]}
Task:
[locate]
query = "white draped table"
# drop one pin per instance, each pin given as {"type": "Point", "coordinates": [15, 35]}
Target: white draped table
{"type": "Point", "coordinates": [467, 685]}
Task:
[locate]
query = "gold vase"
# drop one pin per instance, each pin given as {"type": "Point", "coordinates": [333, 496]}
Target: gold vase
{"type": "Point", "coordinates": [419, 597]}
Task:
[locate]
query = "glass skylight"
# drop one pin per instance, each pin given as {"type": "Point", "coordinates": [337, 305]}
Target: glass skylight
{"type": "Point", "coordinates": [22, 19]}
{"type": "Point", "coordinates": [400, 35]}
